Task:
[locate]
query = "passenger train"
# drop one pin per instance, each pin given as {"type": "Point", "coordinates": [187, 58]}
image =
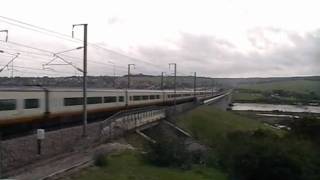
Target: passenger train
{"type": "Point", "coordinates": [37, 104]}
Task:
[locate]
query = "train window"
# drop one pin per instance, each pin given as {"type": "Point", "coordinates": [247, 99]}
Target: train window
{"type": "Point", "coordinates": [121, 98]}
{"type": "Point", "coordinates": [145, 97]}
{"type": "Point", "coordinates": [7, 104]}
{"type": "Point", "coordinates": [130, 98]}
{"type": "Point", "coordinates": [94, 100]}
{"type": "Point", "coordinates": [136, 98]}
{"type": "Point", "coordinates": [110, 99]}
{"type": "Point", "coordinates": [152, 97]}
{"type": "Point", "coordinates": [31, 103]}
{"type": "Point", "coordinates": [72, 101]}
{"type": "Point", "coordinates": [157, 96]}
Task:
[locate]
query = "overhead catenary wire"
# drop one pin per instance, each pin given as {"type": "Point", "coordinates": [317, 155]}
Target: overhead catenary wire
{"type": "Point", "coordinates": [68, 38]}
{"type": "Point", "coordinates": [51, 53]}
{"type": "Point", "coordinates": [52, 33]}
{"type": "Point", "coordinates": [37, 71]}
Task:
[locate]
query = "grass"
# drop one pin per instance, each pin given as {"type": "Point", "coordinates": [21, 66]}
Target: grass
{"type": "Point", "coordinates": [298, 91]}
{"type": "Point", "coordinates": [298, 86]}
{"type": "Point", "coordinates": [241, 96]}
{"type": "Point", "coordinates": [211, 125]}
{"type": "Point", "coordinates": [129, 166]}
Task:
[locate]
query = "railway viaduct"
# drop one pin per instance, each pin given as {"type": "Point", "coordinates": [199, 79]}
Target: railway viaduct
{"type": "Point", "coordinates": [18, 152]}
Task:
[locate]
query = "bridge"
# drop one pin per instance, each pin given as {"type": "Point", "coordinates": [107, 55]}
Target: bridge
{"type": "Point", "coordinates": [129, 120]}
{"type": "Point", "coordinates": [143, 118]}
{"type": "Point", "coordinates": [22, 151]}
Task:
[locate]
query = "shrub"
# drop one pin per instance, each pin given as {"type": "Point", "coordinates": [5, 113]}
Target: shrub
{"type": "Point", "coordinates": [100, 159]}
{"type": "Point", "coordinates": [169, 152]}
{"type": "Point", "coordinates": [262, 155]}
{"type": "Point", "coordinates": [307, 127]}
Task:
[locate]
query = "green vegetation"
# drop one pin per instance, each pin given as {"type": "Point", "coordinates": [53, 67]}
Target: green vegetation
{"type": "Point", "coordinates": [212, 125]}
{"type": "Point", "coordinates": [169, 152]}
{"type": "Point", "coordinates": [247, 150]}
{"type": "Point", "coordinates": [279, 92]}
{"type": "Point", "coordinates": [298, 86]}
{"type": "Point", "coordinates": [130, 166]}
{"type": "Point", "coordinates": [263, 155]}
{"type": "Point", "coordinates": [242, 96]}
{"type": "Point", "coordinates": [100, 159]}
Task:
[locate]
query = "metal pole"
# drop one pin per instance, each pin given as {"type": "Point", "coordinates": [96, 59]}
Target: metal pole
{"type": "Point", "coordinates": [7, 32]}
{"type": "Point", "coordinates": [114, 76]}
{"type": "Point", "coordinates": [84, 80]}
{"type": "Point", "coordinates": [85, 35]}
{"type": "Point", "coordinates": [161, 84]}
{"type": "Point", "coordinates": [128, 86]}
{"type": "Point", "coordinates": [175, 85]}
{"type": "Point", "coordinates": [212, 87]}
{"type": "Point", "coordinates": [194, 84]}
{"type": "Point", "coordinates": [129, 65]}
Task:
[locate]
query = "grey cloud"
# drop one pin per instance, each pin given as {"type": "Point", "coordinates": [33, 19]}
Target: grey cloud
{"type": "Point", "coordinates": [208, 55]}
{"type": "Point", "coordinates": [218, 57]}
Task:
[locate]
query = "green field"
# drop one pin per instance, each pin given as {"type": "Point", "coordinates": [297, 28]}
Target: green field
{"type": "Point", "coordinates": [241, 96]}
{"type": "Point", "coordinates": [211, 125]}
{"type": "Point", "coordinates": [299, 86]}
{"type": "Point", "coordinates": [279, 92]}
{"type": "Point", "coordinates": [129, 166]}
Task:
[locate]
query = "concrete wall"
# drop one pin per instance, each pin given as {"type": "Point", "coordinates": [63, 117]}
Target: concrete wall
{"type": "Point", "coordinates": [21, 151]}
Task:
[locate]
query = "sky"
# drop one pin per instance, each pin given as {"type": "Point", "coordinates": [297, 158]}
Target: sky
{"type": "Point", "coordinates": [216, 38]}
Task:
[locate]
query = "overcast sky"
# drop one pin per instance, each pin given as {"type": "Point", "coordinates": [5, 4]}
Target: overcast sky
{"type": "Point", "coordinates": [217, 38]}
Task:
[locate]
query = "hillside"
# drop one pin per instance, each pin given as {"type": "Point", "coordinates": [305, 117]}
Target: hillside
{"type": "Point", "coordinates": [301, 91]}
{"type": "Point", "coordinates": [147, 81]}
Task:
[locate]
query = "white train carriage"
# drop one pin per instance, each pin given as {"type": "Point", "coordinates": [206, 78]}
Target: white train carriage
{"type": "Point", "coordinates": [24, 105]}
{"type": "Point", "coordinates": [144, 97]}
{"type": "Point", "coordinates": [64, 101]}
{"type": "Point", "coordinates": [180, 95]}
{"type": "Point", "coordinates": [28, 102]}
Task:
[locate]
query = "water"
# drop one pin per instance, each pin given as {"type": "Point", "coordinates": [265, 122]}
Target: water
{"type": "Point", "coordinates": [274, 107]}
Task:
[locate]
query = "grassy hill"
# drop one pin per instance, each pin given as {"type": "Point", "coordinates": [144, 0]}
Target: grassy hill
{"type": "Point", "coordinates": [290, 91]}
{"type": "Point", "coordinates": [298, 86]}
{"type": "Point", "coordinates": [211, 125]}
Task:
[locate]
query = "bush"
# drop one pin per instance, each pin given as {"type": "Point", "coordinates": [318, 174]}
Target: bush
{"type": "Point", "coordinates": [307, 127]}
{"type": "Point", "coordinates": [100, 159]}
{"type": "Point", "coordinates": [168, 152]}
{"type": "Point", "coordinates": [262, 155]}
